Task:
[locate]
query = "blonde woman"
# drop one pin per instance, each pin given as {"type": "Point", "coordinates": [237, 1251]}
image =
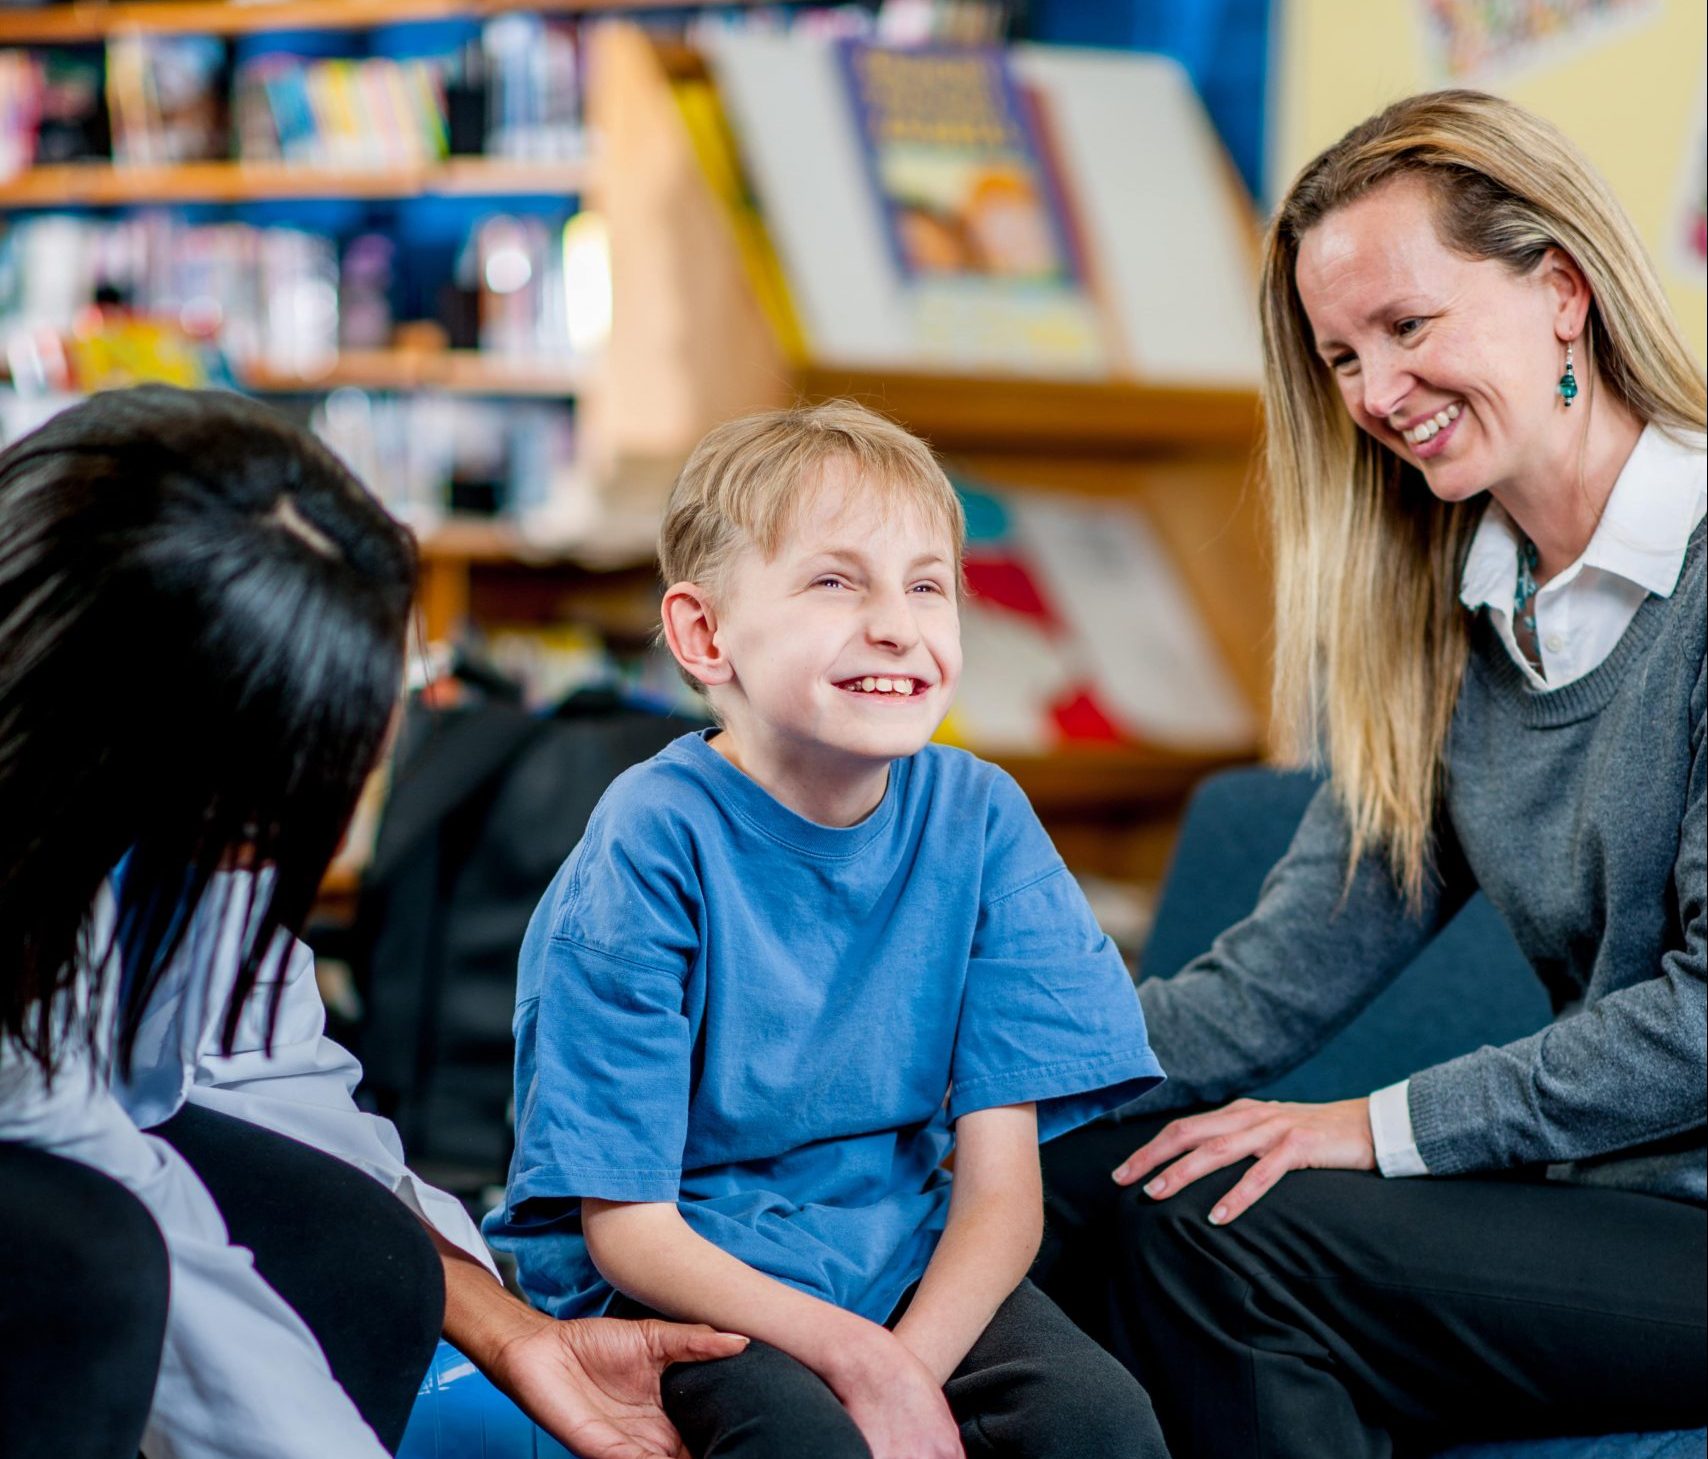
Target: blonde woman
{"type": "Point", "coordinates": [1487, 472]}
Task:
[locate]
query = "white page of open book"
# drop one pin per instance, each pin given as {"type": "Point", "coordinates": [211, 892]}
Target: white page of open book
{"type": "Point", "coordinates": [786, 100]}
{"type": "Point", "coordinates": [1141, 165]}
{"type": "Point", "coordinates": [1157, 204]}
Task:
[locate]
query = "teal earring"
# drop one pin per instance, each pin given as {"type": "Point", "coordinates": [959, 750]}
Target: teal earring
{"type": "Point", "coordinates": [1568, 386]}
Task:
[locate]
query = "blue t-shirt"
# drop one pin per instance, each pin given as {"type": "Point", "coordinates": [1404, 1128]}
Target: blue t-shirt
{"type": "Point", "coordinates": [775, 1023]}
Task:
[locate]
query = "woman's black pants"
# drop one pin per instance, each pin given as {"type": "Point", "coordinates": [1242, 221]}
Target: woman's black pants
{"type": "Point", "coordinates": [83, 1283]}
{"type": "Point", "coordinates": [82, 1309]}
{"type": "Point", "coordinates": [1353, 1316]}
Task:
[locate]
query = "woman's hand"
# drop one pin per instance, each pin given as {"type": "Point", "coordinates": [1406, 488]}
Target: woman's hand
{"type": "Point", "coordinates": [896, 1402]}
{"type": "Point", "coordinates": [592, 1383]}
{"type": "Point", "coordinates": [1283, 1137]}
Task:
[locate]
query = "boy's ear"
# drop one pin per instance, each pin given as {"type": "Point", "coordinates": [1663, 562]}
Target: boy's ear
{"type": "Point", "coordinates": [691, 630]}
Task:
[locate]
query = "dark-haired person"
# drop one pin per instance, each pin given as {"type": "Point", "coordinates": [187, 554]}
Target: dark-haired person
{"type": "Point", "coordinates": [204, 1246]}
{"type": "Point", "coordinates": [1488, 481]}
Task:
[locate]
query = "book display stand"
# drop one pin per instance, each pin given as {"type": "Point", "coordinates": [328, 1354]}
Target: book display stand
{"type": "Point", "coordinates": [697, 339]}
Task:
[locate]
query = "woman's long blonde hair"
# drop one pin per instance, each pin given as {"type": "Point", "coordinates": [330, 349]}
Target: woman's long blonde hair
{"type": "Point", "coordinates": [1370, 636]}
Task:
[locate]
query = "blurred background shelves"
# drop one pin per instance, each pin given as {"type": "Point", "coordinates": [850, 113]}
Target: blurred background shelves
{"type": "Point", "coordinates": [455, 372]}
{"type": "Point", "coordinates": [512, 261]}
{"type": "Point", "coordinates": [70, 24]}
{"type": "Point", "coordinates": [106, 185]}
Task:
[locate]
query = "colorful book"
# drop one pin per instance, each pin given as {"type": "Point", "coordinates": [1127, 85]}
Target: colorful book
{"type": "Point", "coordinates": [974, 215]}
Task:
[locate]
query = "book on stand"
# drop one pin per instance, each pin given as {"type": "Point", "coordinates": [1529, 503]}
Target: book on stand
{"type": "Point", "coordinates": [1078, 631]}
{"type": "Point", "coordinates": [974, 216]}
{"type": "Point", "coordinates": [1114, 174]}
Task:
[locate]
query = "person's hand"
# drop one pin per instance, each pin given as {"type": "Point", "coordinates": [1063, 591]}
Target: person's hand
{"type": "Point", "coordinates": [1283, 1137]}
{"type": "Point", "coordinates": [897, 1404]}
{"type": "Point", "coordinates": [592, 1382]}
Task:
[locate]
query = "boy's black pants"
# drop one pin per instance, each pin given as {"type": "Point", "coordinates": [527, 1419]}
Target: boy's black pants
{"type": "Point", "coordinates": [1346, 1316]}
{"type": "Point", "coordinates": [1033, 1387]}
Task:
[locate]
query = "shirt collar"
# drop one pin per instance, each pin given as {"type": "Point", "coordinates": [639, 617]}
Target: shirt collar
{"type": "Point", "coordinates": [1643, 534]}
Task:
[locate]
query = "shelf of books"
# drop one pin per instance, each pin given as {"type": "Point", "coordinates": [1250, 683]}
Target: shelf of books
{"type": "Point", "coordinates": [418, 284]}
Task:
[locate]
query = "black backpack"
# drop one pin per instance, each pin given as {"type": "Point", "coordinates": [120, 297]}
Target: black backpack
{"type": "Point", "coordinates": [485, 804]}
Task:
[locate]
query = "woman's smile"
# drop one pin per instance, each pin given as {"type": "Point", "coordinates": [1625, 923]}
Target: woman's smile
{"type": "Point", "coordinates": [1429, 437]}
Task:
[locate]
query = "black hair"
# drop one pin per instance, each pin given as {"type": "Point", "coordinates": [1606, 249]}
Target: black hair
{"type": "Point", "coordinates": [202, 627]}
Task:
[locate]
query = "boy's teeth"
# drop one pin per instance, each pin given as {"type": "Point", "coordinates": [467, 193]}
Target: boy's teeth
{"type": "Point", "coordinates": [871, 685]}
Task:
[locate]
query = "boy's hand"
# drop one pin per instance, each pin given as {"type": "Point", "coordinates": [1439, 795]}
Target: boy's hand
{"type": "Point", "coordinates": [592, 1383]}
{"type": "Point", "coordinates": [896, 1402]}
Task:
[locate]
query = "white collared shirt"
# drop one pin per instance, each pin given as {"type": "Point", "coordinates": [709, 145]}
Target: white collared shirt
{"type": "Point", "coordinates": [241, 1376]}
{"type": "Point", "coordinates": [1637, 549]}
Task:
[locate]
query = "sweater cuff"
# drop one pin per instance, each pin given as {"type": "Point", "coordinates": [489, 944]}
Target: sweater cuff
{"type": "Point", "coordinates": [1391, 1132]}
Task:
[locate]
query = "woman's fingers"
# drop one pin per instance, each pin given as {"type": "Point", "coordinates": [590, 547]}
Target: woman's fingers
{"type": "Point", "coordinates": [673, 1342]}
{"type": "Point", "coordinates": [1256, 1182]}
{"type": "Point", "coordinates": [1179, 1136]}
{"type": "Point", "coordinates": [1284, 1137]}
{"type": "Point", "coordinates": [1213, 1154]}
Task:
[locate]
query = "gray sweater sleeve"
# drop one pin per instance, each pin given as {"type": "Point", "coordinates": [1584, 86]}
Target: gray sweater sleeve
{"type": "Point", "coordinates": [1277, 986]}
{"type": "Point", "coordinates": [1626, 1071]}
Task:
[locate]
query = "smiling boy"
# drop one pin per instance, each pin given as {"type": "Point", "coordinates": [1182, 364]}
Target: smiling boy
{"type": "Point", "coordinates": [792, 964]}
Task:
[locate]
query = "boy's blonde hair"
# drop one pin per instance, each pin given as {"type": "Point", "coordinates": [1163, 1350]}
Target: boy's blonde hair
{"type": "Point", "coordinates": [748, 479]}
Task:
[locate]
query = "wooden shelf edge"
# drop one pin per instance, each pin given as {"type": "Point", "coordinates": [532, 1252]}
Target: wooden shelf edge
{"type": "Point", "coordinates": [1108, 782]}
{"type": "Point", "coordinates": [69, 24]}
{"type": "Point", "coordinates": [109, 184]}
{"type": "Point", "coordinates": [456, 372]}
{"type": "Point", "coordinates": [468, 540]}
{"type": "Point", "coordinates": [1069, 417]}
{"type": "Point", "coordinates": [471, 540]}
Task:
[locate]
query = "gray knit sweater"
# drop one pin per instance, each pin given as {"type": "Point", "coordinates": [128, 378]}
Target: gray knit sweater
{"type": "Point", "coordinates": [1580, 812]}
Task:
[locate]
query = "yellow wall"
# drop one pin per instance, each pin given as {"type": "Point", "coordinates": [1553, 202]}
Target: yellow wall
{"type": "Point", "coordinates": [1630, 99]}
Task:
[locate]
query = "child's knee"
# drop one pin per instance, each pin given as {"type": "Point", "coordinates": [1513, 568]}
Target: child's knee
{"type": "Point", "coordinates": [760, 1404]}
{"type": "Point", "coordinates": [1116, 1420]}
{"type": "Point", "coordinates": [1101, 1415]}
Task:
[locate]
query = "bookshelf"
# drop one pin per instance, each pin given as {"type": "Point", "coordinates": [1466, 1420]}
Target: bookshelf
{"type": "Point", "coordinates": [695, 345]}
{"type": "Point", "coordinates": [456, 555]}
